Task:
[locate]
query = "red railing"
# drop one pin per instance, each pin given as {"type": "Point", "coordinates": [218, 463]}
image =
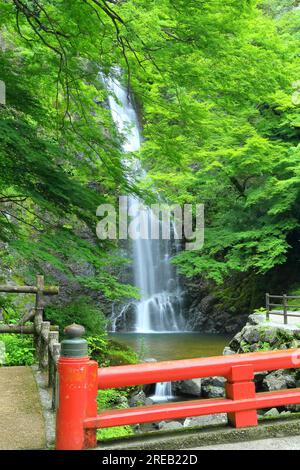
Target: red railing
{"type": "Point", "coordinates": [80, 379]}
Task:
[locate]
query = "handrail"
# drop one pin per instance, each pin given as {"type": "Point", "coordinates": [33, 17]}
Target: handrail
{"type": "Point", "coordinates": [184, 369]}
{"type": "Point", "coordinates": [46, 336]}
{"type": "Point", "coordinates": [284, 305]}
{"type": "Point", "coordinates": [148, 414]}
{"type": "Point", "coordinates": [80, 379]}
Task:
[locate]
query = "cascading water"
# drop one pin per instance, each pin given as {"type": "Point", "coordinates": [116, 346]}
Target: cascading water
{"type": "Point", "coordinates": [159, 307]}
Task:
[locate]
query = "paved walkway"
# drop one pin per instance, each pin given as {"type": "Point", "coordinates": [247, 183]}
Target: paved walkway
{"type": "Point", "coordinates": [21, 417]}
{"type": "Point", "coordinates": [277, 443]}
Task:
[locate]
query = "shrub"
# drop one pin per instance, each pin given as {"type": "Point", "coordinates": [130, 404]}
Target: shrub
{"type": "Point", "coordinates": [19, 349]}
{"type": "Point", "coordinates": [113, 398]}
{"type": "Point", "coordinates": [80, 311]}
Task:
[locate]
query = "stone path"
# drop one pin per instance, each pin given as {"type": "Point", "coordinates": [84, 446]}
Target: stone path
{"type": "Point", "coordinates": [21, 417]}
{"type": "Point", "coordinates": [276, 443]}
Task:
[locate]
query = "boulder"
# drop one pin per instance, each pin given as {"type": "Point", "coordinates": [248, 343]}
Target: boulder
{"type": "Point", "coordinates": [258, 380]}
{"type": "Point", "coordinates": [268, 335]}
{"type": "Point", "coordinates": [227, 351]}
{"type": "Point", "coordinates": [220, 418]}
{"type": "Point", "coordinates": [251, 334]}
{"type": "Point", "coordinates": [235, 342]}
{"type": "Point", "coordinates": [215, 381]}
{"type": "Point", "coordinates": [256, 318]}
{"type": "Point", "coordinates": [272, 413]}
{"type": "Point", "coordinates": [168, 425]}
{"type": "Point", "coordinates": [187, 387]}
{"type": "Point", "coordinates": [279, 379]}
{"type": "Point", "coordinates": [213, 387]}
{"type": "Point", "coordinates": [293, 408]}
{"type": "Point", "coordinates": [137, 399]}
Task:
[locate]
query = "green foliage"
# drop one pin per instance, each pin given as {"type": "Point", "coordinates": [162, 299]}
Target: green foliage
{"type": "Point", "coordinates": [112, 398]}
{"type": "Point", "coordinates": [110, 353]}
{"type": "Point", "coordinates": [214, 82]}
{"type": "Point", "coordinates": [221, 128]}
{"type": "Point", "coordinates": [19, 349]}
{"type": "Point", "coordinates": [260, 310]}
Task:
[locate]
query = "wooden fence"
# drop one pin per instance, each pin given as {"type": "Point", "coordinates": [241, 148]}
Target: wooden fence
{"type": "Point", "coordinates": [46, 336]}
{"type": "Point", "coordinates": [282, 302]}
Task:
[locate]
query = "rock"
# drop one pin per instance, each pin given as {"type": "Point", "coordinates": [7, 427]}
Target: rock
{"type": "Point", "coordinates": [235, 342]}
{"type": "Point", "coordinates": [170, 425]}
{"type": "Point", "coordinates": [149, 359]}
{"type": "Point", "coordinates": [187, 387]}
{"type": "Point", "coordinates": [159, 424]}
{"type": "Point", "coordinates": [256, 319]}
{"type": "Point", "coordinates": [227, 351]}
{"type": "Point", "coordinates": [137, 399]}
{"type": "Point", "coordinates": [272, 412]}
{"type": "Point", "coordinates": [258, 380]}
{"type": "Point", "coordinates": [210, 391]}
{"type": "Point", "coordinates": [214, 381]}
{"type": "Point", "coordinates": [213, 387]}
{"type": "Point", "coordinates": [220, 418]}
{"type": "Point", "coordinates": [293, 408]}
{"type": "Point", "coordinates": [294, 344]}
{"type": "Point", "coordinates": [268, 335]}
{"type": "Point", "coordinates": [279, 379]}
{"type": "Point", "coordinates": [148, 401]}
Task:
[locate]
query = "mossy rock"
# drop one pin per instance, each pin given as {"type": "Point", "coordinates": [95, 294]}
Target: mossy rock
{"type": "Point", "coordinates": [268, 335]}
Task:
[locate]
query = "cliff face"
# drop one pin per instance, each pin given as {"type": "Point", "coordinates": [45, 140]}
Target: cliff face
{"type": "Point", "coordinates": [204, 312]}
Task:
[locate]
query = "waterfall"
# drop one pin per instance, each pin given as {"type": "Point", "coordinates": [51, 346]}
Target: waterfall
{"type": "Point", "coordinates": [163, 392]}
{"type": "Point", "coordinates": [159, 307]}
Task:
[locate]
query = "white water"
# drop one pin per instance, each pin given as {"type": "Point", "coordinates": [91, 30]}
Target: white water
{"type": "Point", "coordinates": [159, 307]}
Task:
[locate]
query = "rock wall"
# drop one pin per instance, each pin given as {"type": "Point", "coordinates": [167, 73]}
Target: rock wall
{"type": "Point", "coordinates": [203, 311]}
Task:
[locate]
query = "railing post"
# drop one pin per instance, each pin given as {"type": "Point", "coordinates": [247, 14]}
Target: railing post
{"type": "Point", "coordinates": [44, 344]}
{"type": "Point", "coordinates": [77, 398]}
{"type": "Point", "coordinates": [285, 317]}
{"type": "Point", "coordinates": [53, 339]}
{"type": "Point", "coordinates": [240, 385]}
{"type": "Point", "coordinates": [56, 353]}
{"type": "Point", "coordinates": [268, 305]}
{"type": "Point", "coordinates": [38, 318]}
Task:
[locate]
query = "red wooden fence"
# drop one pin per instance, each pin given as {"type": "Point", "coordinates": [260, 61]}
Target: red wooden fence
{"type": "Point", "coordinates": [80, 379]}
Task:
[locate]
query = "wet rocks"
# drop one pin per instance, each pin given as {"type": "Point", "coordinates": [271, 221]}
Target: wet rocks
{"type": "Point", "coordinates": [213, 387]}
{"type": "Point", "coordinates": [138, 398]}
{"type": "Point", "coordinates": [187, 387]}
{"type": "Point", "coordinates": [278, 380]}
